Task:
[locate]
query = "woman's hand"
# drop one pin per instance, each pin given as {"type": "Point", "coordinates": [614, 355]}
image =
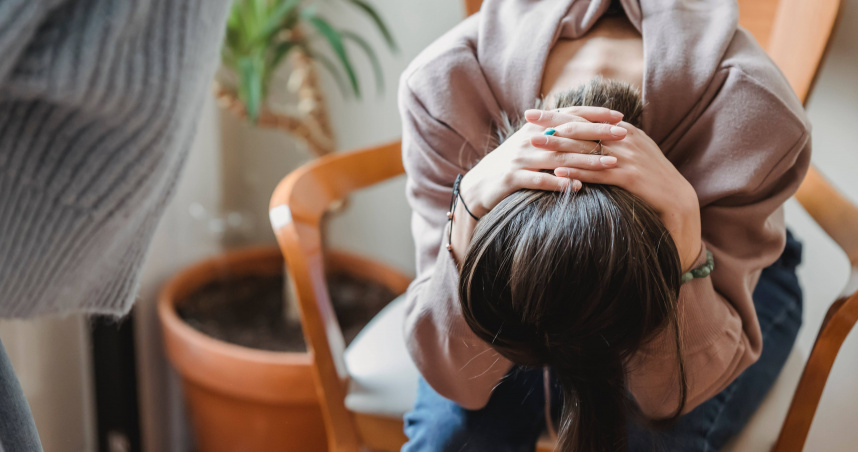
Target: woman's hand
{"type": "Point", "coordinates": [517, 162]}
{"type": "Point", "coordinates": [637, 164]}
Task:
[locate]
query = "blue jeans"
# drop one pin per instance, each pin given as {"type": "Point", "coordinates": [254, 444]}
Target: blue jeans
{"type": "Point", "coordinates": [514, 416]}
{"type": "Point", "coordinates": [17, 429]}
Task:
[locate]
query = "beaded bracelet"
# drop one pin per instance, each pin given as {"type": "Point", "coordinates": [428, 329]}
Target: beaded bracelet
{"type": "Point", "coordinates": [453, 201]}
{"type": "Point", "coordinates": [702, 271]}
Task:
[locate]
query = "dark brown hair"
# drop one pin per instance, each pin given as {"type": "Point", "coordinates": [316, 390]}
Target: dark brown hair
{"type": "Point", "coordinates": [578, 281]}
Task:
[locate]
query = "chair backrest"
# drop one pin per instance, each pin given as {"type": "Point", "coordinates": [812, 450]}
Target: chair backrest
{"type": "Point", "coordinates": [297, 207]}
{"type": "Point", "coordinates": [795, 33]}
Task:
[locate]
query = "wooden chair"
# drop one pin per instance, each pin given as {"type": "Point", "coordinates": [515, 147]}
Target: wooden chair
{"type": "Point", "coordinates": [796, 33]}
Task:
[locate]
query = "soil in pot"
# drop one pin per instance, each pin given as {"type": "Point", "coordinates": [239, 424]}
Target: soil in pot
{"type": "Point", "coordinates": [249, 310]}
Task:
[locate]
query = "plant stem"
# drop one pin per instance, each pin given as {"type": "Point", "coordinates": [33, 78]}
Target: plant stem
{"type": "Point", "coordinates": [319, 142]}
{"type": "Point", "coordinates": [311, 92]}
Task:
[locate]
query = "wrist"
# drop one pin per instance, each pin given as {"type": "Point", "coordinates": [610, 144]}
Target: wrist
{"type": "Point", "coordinates": [469, 191]}
{"type": "Point", "coordinates": [692, 241]}
{"type": "Point", "coordinates": [693, 254]}
{"type": "Point", "coordinates": [461, 233]}
{"type": "Point", "coordinates": [684, 226]}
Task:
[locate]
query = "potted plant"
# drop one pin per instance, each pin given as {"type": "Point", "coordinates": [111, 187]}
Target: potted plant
{"type": "Point", "coordinates": [230, 328]}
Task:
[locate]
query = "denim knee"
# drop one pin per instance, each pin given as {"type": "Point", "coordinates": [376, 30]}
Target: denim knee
{"type": "Point", "coordinates": [510, 422]}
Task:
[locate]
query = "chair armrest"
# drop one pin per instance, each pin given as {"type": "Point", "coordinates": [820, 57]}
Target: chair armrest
{"type": "Point", "coordinates": [310, 189]}
{"type": "Point", "coordinates": [838, 322]}
{"type": "Point", "coordinates": [297, 207]}
{"type": "Point", "coordinates": [837, 216]}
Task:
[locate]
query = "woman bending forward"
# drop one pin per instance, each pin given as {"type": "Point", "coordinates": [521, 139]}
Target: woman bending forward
{"type": "Point", "coordinates": [625, 252]}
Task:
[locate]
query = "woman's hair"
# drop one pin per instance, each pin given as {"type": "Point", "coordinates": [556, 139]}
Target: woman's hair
{"type": "Point", "coordinates": [576, 281]}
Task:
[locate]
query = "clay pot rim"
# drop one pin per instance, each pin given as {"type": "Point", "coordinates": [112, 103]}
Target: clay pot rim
{"type": "Point", "coordinates": [236, 370]}
{"type": "Point", "coordinates": [229, 369]}
{"type": "Point", "coordinates": [173, 291]}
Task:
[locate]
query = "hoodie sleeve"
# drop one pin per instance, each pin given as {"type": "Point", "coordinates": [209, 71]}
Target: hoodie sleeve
{"type": "Point", "coordinates": [750, 150]}
{"type": "Point", "coordinates": [452, 359]}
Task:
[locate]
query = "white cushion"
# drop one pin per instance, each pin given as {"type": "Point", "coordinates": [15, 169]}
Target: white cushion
{"type": "Point", "coordinates": [383, 377]}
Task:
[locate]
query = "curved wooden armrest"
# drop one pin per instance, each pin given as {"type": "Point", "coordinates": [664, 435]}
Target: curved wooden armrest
{"type": "Point", "coordinates": [837, 216]}
{"type": "Point", "coordinates": [472, 6]}
{"type": "Point", "coordinates": [839, 321]}
{"type": "Point", "coordinates": [296, 210]}
{"type": "Point", "coordinates": [310, 189]}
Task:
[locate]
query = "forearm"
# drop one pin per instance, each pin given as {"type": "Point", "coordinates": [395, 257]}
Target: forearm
{"type": "Point", "coordinates": [683, 222]}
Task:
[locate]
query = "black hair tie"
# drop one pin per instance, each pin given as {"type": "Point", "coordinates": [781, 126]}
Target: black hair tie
{"type": "Point", "coordinates": [456, 197]}
{"type": "Point", "coordinates": [457, 194]}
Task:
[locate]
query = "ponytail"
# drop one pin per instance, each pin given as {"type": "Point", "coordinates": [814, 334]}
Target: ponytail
{"type": "Point", "coordinates": [594, 406]}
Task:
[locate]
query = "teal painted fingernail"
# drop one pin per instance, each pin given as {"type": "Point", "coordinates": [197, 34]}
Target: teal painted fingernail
{"type": "Point", "coordinates": [550, 132]}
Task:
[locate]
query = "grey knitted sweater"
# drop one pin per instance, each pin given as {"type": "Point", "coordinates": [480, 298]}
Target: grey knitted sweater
{"type": "Point", "coordinates": [99, 100]}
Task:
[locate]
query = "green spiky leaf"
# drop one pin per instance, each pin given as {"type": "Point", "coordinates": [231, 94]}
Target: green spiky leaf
{"type": "Point", "coordinates": [257, 41]}
{"type": "Point", "coordinates": [332, 69]}
{"type": "Point", "coordinates": [281, 51]}
{"type": "Point", "coordinates": [250, 87]}
{"type": "Point", "coordinates": [275, 20]}
{"type": "Point", "coordinates": [379, 22]}
{"type": "Point", "coordinates": [373, 58]}
{"type": "Point", "coordinates": [335, 39]}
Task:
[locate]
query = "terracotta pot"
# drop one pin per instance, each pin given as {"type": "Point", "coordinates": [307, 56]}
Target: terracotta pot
{"type": "Point", "coordinates": [239, 398]}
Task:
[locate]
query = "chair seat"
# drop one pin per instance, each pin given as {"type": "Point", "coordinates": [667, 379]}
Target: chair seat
{"type": "Point", "coordinates": [383, 377]}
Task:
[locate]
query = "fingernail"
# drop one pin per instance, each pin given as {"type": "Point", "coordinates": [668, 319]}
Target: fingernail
{"type": "Point", "coordinates": [618, 131]}
{"type": "Point", "coordinates": [617, 116]}
{"type": "Point", "coordinates": [576, 185]}
{"type": "Point", "coordinates": [549, 132]}
{"type": "Point", "coordinates": [561, 172]}
{"type": "Point", "coordinates": [608, 160]}
{"type": "Point", "coordinates": [533, 115]}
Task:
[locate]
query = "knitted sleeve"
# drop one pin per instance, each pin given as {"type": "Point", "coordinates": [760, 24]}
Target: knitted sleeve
{"type": "Point", "coordinates": [99, 100]}
{"type": "Point", "coordinates": [19, 20]}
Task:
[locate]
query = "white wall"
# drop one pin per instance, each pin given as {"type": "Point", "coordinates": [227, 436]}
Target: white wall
{"type": "Point", "coordinates": [183, 237]}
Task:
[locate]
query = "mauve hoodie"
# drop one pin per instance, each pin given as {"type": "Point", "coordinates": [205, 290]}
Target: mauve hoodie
{"type": "Point", "coordinates": [716, 104]}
